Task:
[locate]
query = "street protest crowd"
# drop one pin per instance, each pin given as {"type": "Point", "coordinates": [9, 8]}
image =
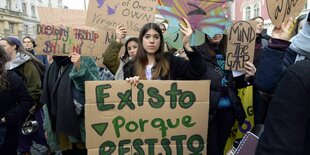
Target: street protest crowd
{"type": "Point", "coordinates": [42, 97]}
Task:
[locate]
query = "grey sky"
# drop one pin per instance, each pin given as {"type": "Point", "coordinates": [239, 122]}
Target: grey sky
{"type": "Point", "coordinates": [75, 4]}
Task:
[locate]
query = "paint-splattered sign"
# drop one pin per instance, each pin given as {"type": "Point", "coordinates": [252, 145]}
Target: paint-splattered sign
{"type": "Point", "coordinates": [205, 18]}
{"type": "Point", "coordinates": [133, 14]}
{"type": "Point", "coordinates": [280, 10]}
{"type": "Point", "coordinates": [240, 45]}
{"type": "Point", "coordinates": [60, 40]}
{"type": "Point", "coordinates": [154, 117]}
{"type": "Point", "coordinates": [50, 17]}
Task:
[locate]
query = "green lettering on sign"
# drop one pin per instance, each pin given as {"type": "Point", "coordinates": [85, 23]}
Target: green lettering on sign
{"type": "Point", "coordinates": [187, 94]}
{"type": "Point", "coordinates": [121, 149]}
{"type": "Point", "coordinates": [118, 122]}
{"type": "Point", "coordinates": [160, 123]}
{"type": "Point", "coordinates": [107, 148]}
{"type": "Point", "coordinates": [125, 100]}
{"type": "Point", "coordinates": [140, 94]}
{"type": "Point", "coordinates": [137, 143]}
{"type": "Point", "coordinates": [153, 93]}
{"type": "Point", "coordinates": [178, 139]}
{"type": "Point", "coordinates": [100, 96]}
{"type": "Point", "coordinates": [192, 148]}
{"type": "Point", "coordinates": [151, 144]}
{"type": "Point", "coordinates": [173, 93]}
{"type": "Point", "coordinates": [186, 121]}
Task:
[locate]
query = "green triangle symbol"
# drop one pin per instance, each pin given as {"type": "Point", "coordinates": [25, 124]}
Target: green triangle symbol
{"type": "Point", "coordinates": [100, 128]}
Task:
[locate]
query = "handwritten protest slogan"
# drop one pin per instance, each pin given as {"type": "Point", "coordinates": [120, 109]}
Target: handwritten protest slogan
{"type": "Point", "coordinates": [133, 14]}
{"type": "Point", "coordinates": [240, 45]}
{"type": "Point", "coordinates": [59, 40]}
{"type": "Point", "coordinates": [74, 19]}
{"type": "Point", "coordinates": [280, 10]}
{"type": "Point", "coordinates": [154, 117]}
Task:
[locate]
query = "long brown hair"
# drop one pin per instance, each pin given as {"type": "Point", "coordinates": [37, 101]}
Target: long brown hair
{"type": "Point", "coordinates": [4, 58]}
{"type": "Point", "coordinates": [161, 67]}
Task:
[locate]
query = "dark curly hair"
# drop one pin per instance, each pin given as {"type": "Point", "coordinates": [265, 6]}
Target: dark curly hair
{"type": "Point", "coordinates": [4, 58]}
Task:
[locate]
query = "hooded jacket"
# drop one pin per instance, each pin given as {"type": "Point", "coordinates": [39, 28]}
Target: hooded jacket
{"type": "Point", "coordinates": [24, 64]}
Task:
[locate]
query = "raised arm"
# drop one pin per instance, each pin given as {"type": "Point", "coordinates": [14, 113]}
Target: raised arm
{"type": "Point", "coordinates": [111, 54]}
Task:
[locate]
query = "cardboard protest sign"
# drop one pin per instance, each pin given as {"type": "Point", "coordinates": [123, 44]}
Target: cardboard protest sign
{"type": "Point", "coordinates": [59, 40]}
{"type": "Point", "coordinates": [133, 14]}
{"type": "Point", "coordinates": [65, 17]}
{"type": "Point", "coordinates": [73, 19]}
{"type": "Point", "coordinates": [280, 10]}
{"type": "Point", "coordinates": [240, 45]}
{"type": "Point", "coordinates": [154, 117]}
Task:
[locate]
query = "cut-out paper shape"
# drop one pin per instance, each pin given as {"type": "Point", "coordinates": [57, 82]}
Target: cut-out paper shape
{"type": "Point", "coordinates": [204, 17]}
{"type": "Point", "coordinates": [111, 11]}
{"type": "Point", "coordinates": [100, 3]}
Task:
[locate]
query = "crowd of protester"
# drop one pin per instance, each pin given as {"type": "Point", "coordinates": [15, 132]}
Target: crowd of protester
{"type": "Point", "coordinates": [51, 88]}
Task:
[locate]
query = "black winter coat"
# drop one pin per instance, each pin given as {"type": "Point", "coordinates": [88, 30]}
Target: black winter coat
{"type": "Point", "coordinates": [287, 126]}
{"type": "Point", "coordinates": [179, 68]}
{"type": "Point", "coordinates": [14, 106]}
{"type": "Point", "coordinates": [276, 58]}
{"type": "Point", "coordinates": [214, 74]}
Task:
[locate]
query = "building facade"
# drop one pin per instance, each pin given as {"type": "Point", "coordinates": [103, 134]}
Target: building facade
{"type": "Point", "coordinates": [20, 17]}
{"type": "Point", "coordinates": [247, 9]}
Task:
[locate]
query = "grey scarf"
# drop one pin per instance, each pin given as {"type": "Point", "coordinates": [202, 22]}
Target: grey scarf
{"type": "Point", "coordinates": [301, 41]}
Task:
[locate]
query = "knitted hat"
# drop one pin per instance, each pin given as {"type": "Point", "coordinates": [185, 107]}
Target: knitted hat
{"type": "Point", "coordinates": [15, 41]}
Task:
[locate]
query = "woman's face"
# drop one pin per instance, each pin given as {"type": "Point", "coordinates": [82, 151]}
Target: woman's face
{"type": "Point", "coordinates": [7, 47]}
{"type": "Point", "coordinates": [162, 27]}
{"type": "Point", "coordinates": [132, 48]}
{"type": "Point", "coordinates": [260, 25]}
{"type": "Point", "coordinates": [151, 41]}
{"type": "Point", "coordinates": [27, 43]}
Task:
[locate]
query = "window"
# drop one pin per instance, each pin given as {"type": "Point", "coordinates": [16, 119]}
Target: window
{"type": "Point", "coordinates": [11, 28]}
{"type": "Point", "coordinates": [256, 10]}
{"type": "Point", "coordinates": [9, 4]}
{"type": "Point", "coordinates": [33, 11]}
{"type": "Point", "coordinates": [26, 29]}
{"type": "Point", "coordinates": [34, 29]}
{"type": "Point", "coordinates": [306, 5]}
{"type": "Point", "coordinates": [24, 9]}
{"type": "Point", "coordinates": [248, 13]}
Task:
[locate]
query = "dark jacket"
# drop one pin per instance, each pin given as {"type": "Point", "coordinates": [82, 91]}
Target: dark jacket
{"type": "Point", "coordinates": [213, 73]}
{"type": "Point", "coordinates": [287, 127]}
{"type": "Point", "coordinates": [277, 57]}
{"type": "Point", "coordinates": [179, 68]}
{"type": "Point", "coordinates": [14, 105]}
{"type": "Point", "coordinates": [59, 92]}
{"type": "Point", "coordinates": [42, 58]}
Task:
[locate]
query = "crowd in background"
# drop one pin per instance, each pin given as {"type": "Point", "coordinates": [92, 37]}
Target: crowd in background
{"type": "Point", "coordinates": [51, 89]}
